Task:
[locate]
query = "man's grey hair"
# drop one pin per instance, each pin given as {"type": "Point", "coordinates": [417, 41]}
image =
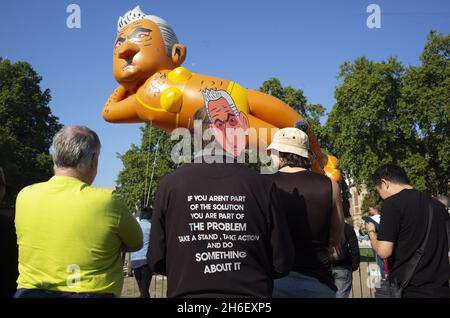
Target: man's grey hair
{"type": "Point", "coordinates": [169, 37]}
{"type": "Point", "coordinates": [212, 95]}
{"type": "Point", "coordinates": [73, 147]}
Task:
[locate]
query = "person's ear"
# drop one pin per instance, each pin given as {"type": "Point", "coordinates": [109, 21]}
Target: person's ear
{"type": "Point", "coordinates": [179, 52]}
{"type": "Point", "coordinates": [94, 161]}
{"type": "Point", "coordinates": [243, 120]}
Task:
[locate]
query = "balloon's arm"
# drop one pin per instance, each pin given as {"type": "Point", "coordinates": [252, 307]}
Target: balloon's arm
{"type": "Point", "coordinates": [121, 107]}
{"type": "Point", "coordinates": [277, 113]}
{"type": "Point", "coordinates": [272, 109]}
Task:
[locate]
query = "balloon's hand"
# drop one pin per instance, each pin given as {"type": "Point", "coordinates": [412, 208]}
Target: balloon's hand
{"type": "Point", "coordinates": [331, 169]}
{"type": "Point", "coordinates": [120, 107]}
{"type": "Point", "coordinates": [119, 94]}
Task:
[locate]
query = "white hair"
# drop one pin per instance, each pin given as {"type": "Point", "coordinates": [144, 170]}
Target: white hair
{"type": "Point", "coordinates": [212, 95]}
{"type": "Point", "coordinates": [73, 147]}
{"type": "Point", "coordinates": [169, 37]}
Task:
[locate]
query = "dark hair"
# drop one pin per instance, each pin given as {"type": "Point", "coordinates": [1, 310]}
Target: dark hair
{"type": "Point", "coordinates": [294, 161]}
{"type": "Point", "coordinates": [392, 173]}
{"type": "Point", "coordinates": [146, 213]}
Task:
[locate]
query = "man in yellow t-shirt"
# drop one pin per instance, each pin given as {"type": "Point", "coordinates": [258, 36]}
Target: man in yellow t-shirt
{"type": "Point", "coordinates": [70, 234]}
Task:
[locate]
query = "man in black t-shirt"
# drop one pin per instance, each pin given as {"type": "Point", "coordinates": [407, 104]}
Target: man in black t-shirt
{"type": "Point", "coordinates": [217, 230]}
{"type": "Point", "coordinates": [403, 227]}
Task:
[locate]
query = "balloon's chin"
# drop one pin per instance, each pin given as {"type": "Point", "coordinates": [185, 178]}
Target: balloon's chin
{"type": "Point", "coordinates": [130, 79]}
{"type": "Point", "coordinates": [128, 75]}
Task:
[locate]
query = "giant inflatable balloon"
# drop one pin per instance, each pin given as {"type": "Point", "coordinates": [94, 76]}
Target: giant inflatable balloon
{"type": "Point", "coordinates": [154, 87]}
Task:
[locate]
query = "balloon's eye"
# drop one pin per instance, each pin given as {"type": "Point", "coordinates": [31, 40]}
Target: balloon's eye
{"type": "Point", "coordinates": [233, 121]}
{"type": "Point", "coordinates": [141, 35]}
{"type": "Point", "coordinates": [119, 42]}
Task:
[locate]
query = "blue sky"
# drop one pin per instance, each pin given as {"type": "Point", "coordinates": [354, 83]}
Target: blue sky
{"type": "Point", "coordinates": [247, 41]}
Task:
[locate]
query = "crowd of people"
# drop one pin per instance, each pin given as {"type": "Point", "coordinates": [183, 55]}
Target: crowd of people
{"type": "Point", "coordinates": [218, 229]}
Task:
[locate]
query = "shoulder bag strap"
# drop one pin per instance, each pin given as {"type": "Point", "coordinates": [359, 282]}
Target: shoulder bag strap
{"type": "Point", "coordinates": [412, 265]}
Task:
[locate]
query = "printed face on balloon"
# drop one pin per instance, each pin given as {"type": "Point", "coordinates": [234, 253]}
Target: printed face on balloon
{"type": "Point", "coordinates": [230, 127]}
{"type": "Point", "coordinates": [222, 114]}
{"type": "Point", "coordinates": [139, 52]}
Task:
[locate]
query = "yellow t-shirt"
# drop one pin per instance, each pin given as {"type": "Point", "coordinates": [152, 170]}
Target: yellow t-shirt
{"type": "Point", "coordinates": [69, 236]}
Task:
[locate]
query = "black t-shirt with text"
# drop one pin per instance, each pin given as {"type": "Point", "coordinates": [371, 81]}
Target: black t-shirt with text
{"type": "Point", "coordinates": [404, 220]}
{"type": "Point", "coordinates": [217, 231]}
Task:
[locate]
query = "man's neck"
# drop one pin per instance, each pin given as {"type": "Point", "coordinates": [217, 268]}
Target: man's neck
{"type": "Point", "coordinates": [69, 172]}
{"type": "Point", "coordinates": [397, 188]}
{"type": "Point", "coordinates": [288, 169]}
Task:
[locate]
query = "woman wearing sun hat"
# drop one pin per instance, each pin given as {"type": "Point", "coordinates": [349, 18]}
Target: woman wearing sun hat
{"type": "Point", "coordinates": [313, 208]}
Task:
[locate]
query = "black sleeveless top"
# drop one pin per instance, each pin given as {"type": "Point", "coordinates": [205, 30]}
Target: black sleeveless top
{"type": "Point", "coordinates": [308, 204]}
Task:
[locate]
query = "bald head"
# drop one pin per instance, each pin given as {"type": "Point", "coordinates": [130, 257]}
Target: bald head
{"type": "Point", "coordinates": [74, 147]}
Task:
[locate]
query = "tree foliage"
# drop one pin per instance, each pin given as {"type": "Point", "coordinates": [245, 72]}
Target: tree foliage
{"type": "Point", "coordinates": [387, 113]}
{"type": "Point", "coordinates": [151, 158]}
{"type": "Point", "coordinates": [27, 127]}
{"type": "Point", "coordinates": [363, 124]}
{"type": "Point", "coordinates": [426, 105]}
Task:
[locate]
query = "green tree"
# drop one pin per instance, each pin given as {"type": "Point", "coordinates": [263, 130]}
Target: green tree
{"type": "Point", "coordinates": [144, 166]}
{"type": "Point", "coordinates": [27, 127]}
{"type": "Point", "coordinates": [426, 106]}
{"type": "Point", "coordinates": [364, 124]}
{"type": "Point", "coordinates": [386, 113]}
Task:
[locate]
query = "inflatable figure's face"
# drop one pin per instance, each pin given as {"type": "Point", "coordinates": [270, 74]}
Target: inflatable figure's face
{"type": "Point", "coordinates": [139, 52]}
{"type": "Point", "coordinates": [229, 128]}
{"type": "Point", "coordinates": [222, 115]}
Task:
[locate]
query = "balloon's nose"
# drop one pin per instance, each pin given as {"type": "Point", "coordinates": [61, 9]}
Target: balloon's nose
{"type": "Point", "coordinates": [127, 50]}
